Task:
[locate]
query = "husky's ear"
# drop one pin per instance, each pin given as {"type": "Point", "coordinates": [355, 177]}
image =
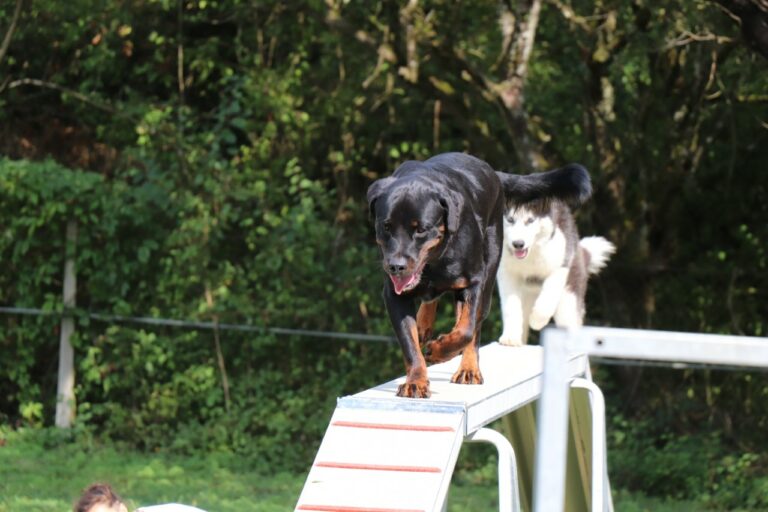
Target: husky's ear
{"type": "Point", "coordinates": [570, 184]}
{"type": "Point", "coordinates": [376, 190]}
{"type": "Point", "coordinates": [452, 202]}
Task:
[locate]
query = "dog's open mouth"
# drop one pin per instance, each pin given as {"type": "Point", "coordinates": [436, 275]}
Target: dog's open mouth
{"type": "Point", "coordinates": [520, 253]}
{"type": "Point", "coordinates": [406, 283]}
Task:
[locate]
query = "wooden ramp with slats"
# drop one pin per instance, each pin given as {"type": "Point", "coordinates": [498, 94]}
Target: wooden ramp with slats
{"type": "Point", "coordinates": [382, 453]}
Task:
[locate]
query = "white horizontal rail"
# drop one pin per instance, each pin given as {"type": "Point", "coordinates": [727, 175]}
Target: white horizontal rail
{"type": "Point", "coordinates": [681, 347]}
{"type": "Point", "coordinates": [549, 473]}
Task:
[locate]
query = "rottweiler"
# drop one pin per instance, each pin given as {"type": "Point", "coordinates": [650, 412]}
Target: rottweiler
{"type": "Point", "coordinates": [439, 224]}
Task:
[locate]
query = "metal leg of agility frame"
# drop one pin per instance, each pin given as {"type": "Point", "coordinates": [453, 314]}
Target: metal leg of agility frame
{"type": "Point", "coordinates": [601, 490]}
{"type": "Point", "coordinates": [509, 494]}
{"type": "Point", "coordinates": [549, 472]}
{"type": "Point", "coordinates": [736, 352]}
{"type": "Point", "coordinates": [552, 442]}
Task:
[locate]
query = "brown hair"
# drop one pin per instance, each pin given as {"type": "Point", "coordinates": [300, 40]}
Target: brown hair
{"type": "Point", "coordinates": [96, 494]}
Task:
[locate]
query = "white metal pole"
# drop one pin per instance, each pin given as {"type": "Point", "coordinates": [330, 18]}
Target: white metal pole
{"type": "Point", "coordinates": [65, 392]}
{"type": "Point", "coordinates": [679, 347]}
{"type": "Point", "coordinates": [601, 496]}
{"type": "Point", "coordinates": [509, 493]}
{"type": "Point", "coordinates": [552, 420]}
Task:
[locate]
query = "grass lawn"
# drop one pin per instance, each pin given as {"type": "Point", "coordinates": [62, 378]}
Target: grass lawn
{"type": "Point", "coordinates": [39, 472]}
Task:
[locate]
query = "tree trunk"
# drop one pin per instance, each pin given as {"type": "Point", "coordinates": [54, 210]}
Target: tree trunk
{"type": "Point", "coordinates": [524, 21]}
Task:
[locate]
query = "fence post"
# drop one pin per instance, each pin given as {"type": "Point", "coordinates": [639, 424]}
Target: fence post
{"type": "Point", "coordinates": [65, 391]}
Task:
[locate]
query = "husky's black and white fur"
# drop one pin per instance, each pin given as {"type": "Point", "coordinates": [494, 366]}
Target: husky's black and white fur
{"type": "Point", "coordinates": [544, 268]}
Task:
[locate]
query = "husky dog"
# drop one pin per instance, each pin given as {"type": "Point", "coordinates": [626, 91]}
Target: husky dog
{"type": "Point", "coordinates": [544, 268]}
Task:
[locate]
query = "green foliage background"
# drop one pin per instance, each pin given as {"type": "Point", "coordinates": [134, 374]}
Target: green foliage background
{"type": "Point", "coordinates": [215, 155]}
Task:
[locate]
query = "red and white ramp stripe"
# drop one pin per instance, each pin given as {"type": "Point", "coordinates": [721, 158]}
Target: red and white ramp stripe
{"type": "Point", "coordinates": [384, 461]}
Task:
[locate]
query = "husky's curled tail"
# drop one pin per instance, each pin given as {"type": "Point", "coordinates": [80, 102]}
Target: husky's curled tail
{"type": "Point", "coordinates": [597, 251]}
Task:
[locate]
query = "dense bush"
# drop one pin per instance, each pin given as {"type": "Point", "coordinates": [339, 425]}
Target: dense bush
{"type": "Point", "coordinates": [646, 455]}
{"type": "Point", "coordinates": [162, 387]}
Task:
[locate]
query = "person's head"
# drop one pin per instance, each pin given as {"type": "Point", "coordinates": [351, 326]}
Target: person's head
{"type": "Point", "coordinates": [100, 498]}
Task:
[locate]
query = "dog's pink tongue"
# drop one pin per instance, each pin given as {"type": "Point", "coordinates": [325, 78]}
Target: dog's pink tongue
{"type": "Point", "coordinates": [401, 282]}
{"type": "Point", "coordinates": [521, 253]}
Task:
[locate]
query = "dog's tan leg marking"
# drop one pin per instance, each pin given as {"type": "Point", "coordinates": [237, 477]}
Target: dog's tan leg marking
{"type": "Point", "coordinates": [469, 368]}
{"type": "Point", "coordinates": [446, 346]}
{"type": "Point", "coordinates": [416, 379]}
{"type": "Point", "coordinates": [425, 320]}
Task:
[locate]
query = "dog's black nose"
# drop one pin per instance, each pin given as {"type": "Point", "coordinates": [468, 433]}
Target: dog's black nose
{"type": "Point", "coordinates": [396, 265]}
{"type": "Point", "coordinates": [518, 244]}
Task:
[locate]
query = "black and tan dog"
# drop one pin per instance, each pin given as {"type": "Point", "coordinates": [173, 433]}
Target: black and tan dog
{"type": "Point", "coordinates": [439, 226]}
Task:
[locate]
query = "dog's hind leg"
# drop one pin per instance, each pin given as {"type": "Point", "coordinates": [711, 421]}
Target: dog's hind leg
{"type": "Point", "coordinates": [571, 309]}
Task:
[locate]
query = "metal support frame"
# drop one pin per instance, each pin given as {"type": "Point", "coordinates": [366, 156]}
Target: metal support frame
{"type": "Point", "coordinates": [509, 494]}
{"type": "Point", "coordinates": [601, 490]}
{"type": "Point", "coordinates": [552, 443]}
{"type": "Point", "coordinates": [549, 473]}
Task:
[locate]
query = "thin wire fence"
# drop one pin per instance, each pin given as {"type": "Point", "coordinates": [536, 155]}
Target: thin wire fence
{"type": "Point", "coordinates": [191, 324]}
{"type": "Point", "coordinates": [311, 333]}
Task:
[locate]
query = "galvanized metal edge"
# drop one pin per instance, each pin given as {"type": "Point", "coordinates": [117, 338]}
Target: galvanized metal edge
{"type": "Point", "coordinates": [400, 404]}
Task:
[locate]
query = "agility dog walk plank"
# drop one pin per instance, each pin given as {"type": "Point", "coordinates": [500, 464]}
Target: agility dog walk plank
{"type": "Point", "coordinates": [377, 461]}
{"type": "Point", "coordinates": [383, 453]}
{"type": "Point", "coordinates": [512, 378]}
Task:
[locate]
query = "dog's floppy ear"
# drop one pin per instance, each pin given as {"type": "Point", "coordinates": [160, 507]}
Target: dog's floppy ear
{"type": "Point", "coordinates": [375, 191]}
{"type": "Point", "coordinates": [452, 202]}
{"type": "Point", "coordinates": [570, 184]}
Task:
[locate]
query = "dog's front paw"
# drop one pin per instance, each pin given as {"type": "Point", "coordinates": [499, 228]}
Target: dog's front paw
{"type": "Point", "coordinates": [511, 341]}
{"type": "Point", "coordinates": [436, 351]}
{"type": "Point", "coordinates": [538, 320]}
{"type": "Point", "coordinates": [467, 376]}
{"type": "Point", "coordinates": [414, 389]}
